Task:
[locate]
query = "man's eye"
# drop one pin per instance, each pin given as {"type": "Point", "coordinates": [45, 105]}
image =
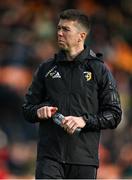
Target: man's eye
{"type": "Point", "coordinates": [58, 28]}
{"type": "Point", "coordinates": [66, 29]}
{"type": "Point", "coordinates": [63, 29]}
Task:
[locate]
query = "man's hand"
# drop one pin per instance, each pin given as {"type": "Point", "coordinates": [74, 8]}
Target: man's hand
{"type": "Point", "coordinates": [46, 112]}
{"type": "Point", "coordinates": [71, 123]}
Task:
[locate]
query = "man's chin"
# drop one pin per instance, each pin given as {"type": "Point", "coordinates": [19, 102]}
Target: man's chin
{"type": "Point", "coordinates": [62, 47]}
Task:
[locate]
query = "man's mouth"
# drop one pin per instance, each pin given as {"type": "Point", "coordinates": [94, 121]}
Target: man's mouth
{"type": "Point", "coordinates": [60, 40]}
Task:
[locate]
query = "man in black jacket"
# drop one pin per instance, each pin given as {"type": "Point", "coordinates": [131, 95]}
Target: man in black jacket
{"type": "Point", "coordinates": [77, 84]}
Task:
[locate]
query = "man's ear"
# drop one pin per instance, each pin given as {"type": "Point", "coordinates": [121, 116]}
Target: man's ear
{"type": "Point", "coordinates": [83, 36]}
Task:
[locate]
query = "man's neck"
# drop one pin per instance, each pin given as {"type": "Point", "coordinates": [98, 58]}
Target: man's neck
{"type": "Point", "coordinates": [74, 52]}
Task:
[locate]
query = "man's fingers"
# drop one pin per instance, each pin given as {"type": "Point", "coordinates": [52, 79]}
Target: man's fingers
{"type": "Point", "coordinates": [69, 125]}
{"type": "Point", "coordinates": [46, 112]}
{"type": "Point", "coordinates": [43, 112]}
{"type": "Point", "coordinates": [40, 113]}
{"type": "Point", "coordinates": [53, 110]}
{"type": "Point", "coordinates": [66, 120]}
{"type": "Point", "coordinates": [65, 123]}
{"type": "Point", "coordinates": [50, 111]}
{"type": "Point", "coordinates": [72, 128]}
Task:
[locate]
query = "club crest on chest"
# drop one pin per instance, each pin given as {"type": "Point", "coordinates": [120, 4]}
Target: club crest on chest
{"type": "Point", "coordinates": [87, 75]}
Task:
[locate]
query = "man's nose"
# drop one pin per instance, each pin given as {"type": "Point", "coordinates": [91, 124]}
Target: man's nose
{"type": "Point", "coordinates": [60, 33]}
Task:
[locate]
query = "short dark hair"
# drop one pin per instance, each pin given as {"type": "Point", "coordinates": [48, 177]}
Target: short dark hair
{"type": "Point", "coordinates": [76, 15]}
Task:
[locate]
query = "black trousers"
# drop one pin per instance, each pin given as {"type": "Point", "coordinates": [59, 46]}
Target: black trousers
{"type": "Point", "coordinates": [50, 169]}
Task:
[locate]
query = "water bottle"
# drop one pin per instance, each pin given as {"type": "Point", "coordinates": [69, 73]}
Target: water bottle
{"type": "Point", "coordinates": [58, 117]}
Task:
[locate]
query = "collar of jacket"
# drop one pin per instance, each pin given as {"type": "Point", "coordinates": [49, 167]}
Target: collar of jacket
{"type": "Point", "coordinates": [87, 53]}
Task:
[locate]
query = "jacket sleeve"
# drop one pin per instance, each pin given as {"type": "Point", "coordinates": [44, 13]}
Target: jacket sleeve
{"type": "Point", "coordinates": [109, 114]}
{"type": "Point", "coordinates": [35, 97]}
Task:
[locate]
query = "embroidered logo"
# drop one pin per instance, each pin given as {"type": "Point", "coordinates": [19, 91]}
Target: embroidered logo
{"type": "Point", "coordinates": [87, 75]}
{"type": "Point", "coordinates": [56, 75]}
{"type": "Point", "coordinates": [53, 73]}
{"type": "Point", "coordinates": [50, 71]}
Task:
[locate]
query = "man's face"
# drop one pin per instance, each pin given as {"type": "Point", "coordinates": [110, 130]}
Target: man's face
{"type": "Point", "coordinates": [68, 34]}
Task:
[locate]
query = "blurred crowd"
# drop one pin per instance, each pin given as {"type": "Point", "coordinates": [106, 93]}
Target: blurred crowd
{"type": "Point", "coordinates": [28, 37]}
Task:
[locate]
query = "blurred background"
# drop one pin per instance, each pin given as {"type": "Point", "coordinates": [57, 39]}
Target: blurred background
{"type": "Point", "coordinates": [28, 37]}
